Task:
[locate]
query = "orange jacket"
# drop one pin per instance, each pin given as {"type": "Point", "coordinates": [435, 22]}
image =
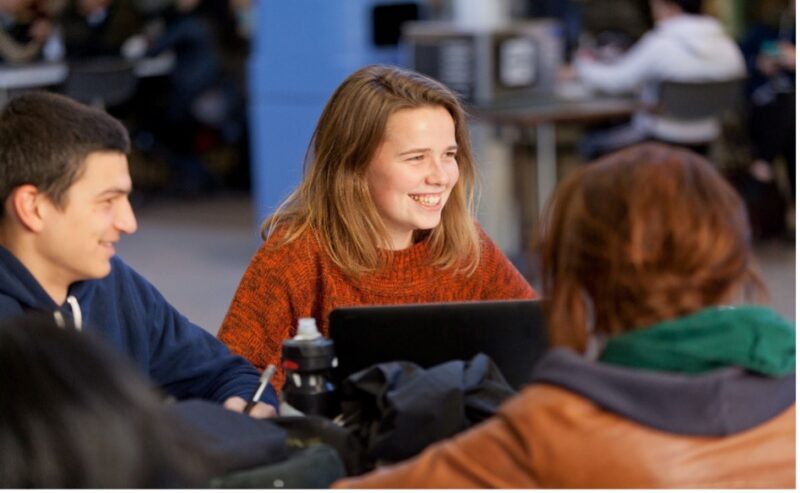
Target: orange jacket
{"type": "Point", "coordinates": [551, 437]}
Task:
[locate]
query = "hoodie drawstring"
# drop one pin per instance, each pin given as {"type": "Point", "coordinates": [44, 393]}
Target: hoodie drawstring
{"type": "Point", "coordinates": [59, 318]}
{"type": "Point", "coordinates": [77, 317]}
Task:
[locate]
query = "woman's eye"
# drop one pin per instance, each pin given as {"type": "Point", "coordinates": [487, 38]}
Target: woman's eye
{"type": "Point", "coordinates": [416, 158]}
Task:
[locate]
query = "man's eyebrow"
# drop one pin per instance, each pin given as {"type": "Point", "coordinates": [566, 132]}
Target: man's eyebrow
{"type": "Point", "coordinates": [115, 191]}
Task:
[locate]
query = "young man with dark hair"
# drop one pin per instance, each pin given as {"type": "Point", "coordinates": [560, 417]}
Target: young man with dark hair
{"type": "Point", "coordinates": [64, 185]}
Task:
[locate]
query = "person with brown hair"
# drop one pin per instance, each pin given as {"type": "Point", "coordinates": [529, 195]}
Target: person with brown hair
{"type": "Point", "coordinates": [64, 188]}
{"type": "Point", "coordinates": [384, 215]}
{"type": "Point", "coordinates": [659, 376]}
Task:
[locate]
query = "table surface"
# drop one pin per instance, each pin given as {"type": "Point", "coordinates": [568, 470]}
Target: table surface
{"type": "Point", "coordinates": [42, 74]}
{"type": "Point", "coordinates": [155, 66]}
{"type": "Point", "coordinates": [549, 108]}
{"type": "Point", "coordinates": [541, 114]}
{"type": "Point", "coordinates": [39, 74]}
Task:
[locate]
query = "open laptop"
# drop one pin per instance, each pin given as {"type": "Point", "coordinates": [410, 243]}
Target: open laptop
{"type": "Point", "coordinates": [512, 333]}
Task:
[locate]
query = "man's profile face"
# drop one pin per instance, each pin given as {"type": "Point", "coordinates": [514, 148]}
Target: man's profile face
{"type": "Point", "coordinates": [77, 240]}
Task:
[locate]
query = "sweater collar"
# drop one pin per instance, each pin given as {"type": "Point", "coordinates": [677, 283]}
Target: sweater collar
{"type": "Point", "coordinates": [402, 266]}
{"type": "Point", "coordinates": [749, 337]}
{"type": "Point", "coordinates": [413, 254]}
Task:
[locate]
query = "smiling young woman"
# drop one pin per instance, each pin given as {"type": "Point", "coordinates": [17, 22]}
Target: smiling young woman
{"type": "Point", "coordinates": [385, 214]}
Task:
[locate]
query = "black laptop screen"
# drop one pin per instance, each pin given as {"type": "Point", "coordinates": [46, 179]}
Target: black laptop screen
{"type": "Point", "coordinates": [512, 333]}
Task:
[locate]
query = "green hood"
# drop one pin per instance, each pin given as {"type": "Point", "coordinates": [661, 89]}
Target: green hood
{"type": "Point", "coordinates": [750, 337]}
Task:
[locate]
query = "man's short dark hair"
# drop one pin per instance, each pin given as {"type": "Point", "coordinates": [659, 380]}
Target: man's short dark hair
{"type": "Point", "coordinates": [45, 139]}
{"type": "Point", "coordinates": [689, 6]}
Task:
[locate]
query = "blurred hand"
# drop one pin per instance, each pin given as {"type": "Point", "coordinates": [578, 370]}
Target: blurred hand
{"type": "Point", "coordinates": [584, 54]}
{"type": "Point", "coordinates": [259, 411]}
{"type": "Point", "coordinates": [767, 65]}
{"type": "Point", "coordinates": [566, 73]}
{"type": "Point", "coordinates": [788, 55]}
{"type": "Point", "coordinates": [134, 47]}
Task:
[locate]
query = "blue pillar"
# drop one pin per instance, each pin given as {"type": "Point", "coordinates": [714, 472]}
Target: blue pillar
{"type": "Point", "coordinates": [302, 50]}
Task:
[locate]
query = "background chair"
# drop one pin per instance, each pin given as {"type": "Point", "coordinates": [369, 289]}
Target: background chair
{"type": "Point", "coordinates": [101, 82]}
{"type": "Point", "coordinates": [694, 101]}
{"type": "Point", "coordinates": [699, 100]}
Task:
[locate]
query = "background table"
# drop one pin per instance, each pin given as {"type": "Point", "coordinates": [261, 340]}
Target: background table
{"type": "Point", "coordinates": [30, 76]}
{"type": "Point", "coordinates": [38, 75]}
{"type": "Point", "coordinates": [541, 115]}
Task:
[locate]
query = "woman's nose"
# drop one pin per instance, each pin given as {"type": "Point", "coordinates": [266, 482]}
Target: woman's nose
{"type": "Point", "coordinates": [436, 172]}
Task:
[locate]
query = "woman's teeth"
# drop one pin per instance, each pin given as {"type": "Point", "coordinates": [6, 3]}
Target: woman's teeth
{"type": "Point", "coordinates": [429, 200]}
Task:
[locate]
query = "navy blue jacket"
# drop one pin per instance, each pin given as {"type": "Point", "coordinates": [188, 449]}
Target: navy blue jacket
{"type": "Point", "coordinates": [128, 312]}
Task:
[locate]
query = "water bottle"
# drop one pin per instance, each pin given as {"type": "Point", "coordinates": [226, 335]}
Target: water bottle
{"type": "Point", "coordinates": [308, 360]}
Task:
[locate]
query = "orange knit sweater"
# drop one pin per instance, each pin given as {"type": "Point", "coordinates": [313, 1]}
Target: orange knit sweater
{"type": "Point", "coordinates": [299, 280]}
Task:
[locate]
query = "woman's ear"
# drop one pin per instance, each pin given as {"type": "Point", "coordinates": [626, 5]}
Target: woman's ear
{"type": "Point", "coordinates": [25, 203]}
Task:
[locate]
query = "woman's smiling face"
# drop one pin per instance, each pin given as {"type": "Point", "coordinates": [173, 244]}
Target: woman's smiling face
{"type": "Point", "coordinates": [413, 171]}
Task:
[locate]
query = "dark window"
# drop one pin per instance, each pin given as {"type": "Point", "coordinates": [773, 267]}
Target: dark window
{"type": "Point", "coordinates": [387, 20]}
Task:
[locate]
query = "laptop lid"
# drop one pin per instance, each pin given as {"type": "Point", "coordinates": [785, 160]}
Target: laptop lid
{"type": "Point", "coordinates": [511, 332]}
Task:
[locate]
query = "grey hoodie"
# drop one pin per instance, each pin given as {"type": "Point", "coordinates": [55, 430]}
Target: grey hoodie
{"type": "Point", "coordinates": [716, 403]}
{"type": "Point", "coordinates": [689, 48]}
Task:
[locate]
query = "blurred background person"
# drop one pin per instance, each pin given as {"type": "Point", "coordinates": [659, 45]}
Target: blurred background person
{"type": "Point", "coordinates": [606, 27]}
{"type": "Point", "coordinates": [769, 50]}
{"type": "Point", "coordinates": [683, 46]}
{"type": "Point", "coordinates": [26, 28]}
{"type": "Point", "coordinates": [661, 377]}
{"type": "Point", "coordinates": [202, 101]}
{"type": "Point", "coordinates": [98, 28]}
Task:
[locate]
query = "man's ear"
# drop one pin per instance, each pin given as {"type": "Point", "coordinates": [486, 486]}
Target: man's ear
{"type": "Point", "coordinates": [25, 203]}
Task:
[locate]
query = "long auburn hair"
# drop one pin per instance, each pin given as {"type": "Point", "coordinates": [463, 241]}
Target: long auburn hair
{"type": "Point", "coordinates": [649, 233]}
{"type": "Point", "coordinates": [334, 199]}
